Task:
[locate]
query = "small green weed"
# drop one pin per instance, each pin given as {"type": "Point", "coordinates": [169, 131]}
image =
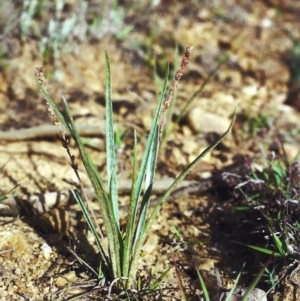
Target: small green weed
{"type": "Point", "coordinates": [255, 124]}
{"type": "Point", "coordinates": [273, 193]}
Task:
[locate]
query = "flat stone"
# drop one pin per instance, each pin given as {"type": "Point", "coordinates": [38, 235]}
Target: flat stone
{"type": "Point", "coordinates": [205, 122]}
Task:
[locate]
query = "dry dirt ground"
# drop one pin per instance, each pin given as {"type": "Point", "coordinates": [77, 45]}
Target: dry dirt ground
{"type": "Point", "coordinates": [261, 39]}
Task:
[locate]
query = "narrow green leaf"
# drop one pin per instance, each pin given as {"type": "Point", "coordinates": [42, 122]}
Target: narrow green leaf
{"type": "Point", "coordinates": [114, 236]}
{"type": "Point", "coordinates": [278, 243]}
{"type": "Point", "coordinates": [257, 278]}
{"type": "Point", "coordinates": [143, 167]}
{"type": "Point", "coordinates": [144, 162]}
{"type": "Point", "coordinates": [236, 281]}
{"type": "Point", "coordinates": [260, 249]}
{"type": "Point", "coordinates": [173, 186]}
{"type": "Point", "coordinates": [149, 178]}
{"type": "Point", "coordinates": [112, 232]}
{"type": "Point", "coordinates": [133, 204]}
{"type": "Point", "coordinates": [91, 226]}
{"type": "Point", "coordinates": [84, 263]}
{"type": "Point", "coordinates": [185, 172]}
{"type": "Point", "coordinates": [110, 145]}
{"type": "Point", "coordinates": [159, 280]}
{"type": "Point", "coordinates": [203, 286]}
{"type": "Point", "coordinates": [242, 208]}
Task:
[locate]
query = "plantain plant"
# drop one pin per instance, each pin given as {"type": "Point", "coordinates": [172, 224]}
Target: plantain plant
{"type": "Point", "coordinates": [119, 260]}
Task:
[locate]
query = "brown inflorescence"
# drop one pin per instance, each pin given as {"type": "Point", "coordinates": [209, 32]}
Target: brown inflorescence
{"type": "Point", "coordinates": [41, 80]}
{"type": "Point", "coordinates": [173, 87]}
{"type": "Point", "coordinates": [65, 141]}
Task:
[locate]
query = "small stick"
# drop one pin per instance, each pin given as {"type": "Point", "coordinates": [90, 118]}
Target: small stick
{"type": "Point", "coordinates": [40, 203]}
{"type": "Point", "coordinates": [48, 130]}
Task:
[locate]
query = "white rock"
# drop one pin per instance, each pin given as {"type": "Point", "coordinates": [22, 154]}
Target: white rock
{"type": "Point", "coordinates": [256, 295]}
{"type": "Point", "coordinates": [46, 250]}
{"type": "Point", "coordinates": [201, 121]}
